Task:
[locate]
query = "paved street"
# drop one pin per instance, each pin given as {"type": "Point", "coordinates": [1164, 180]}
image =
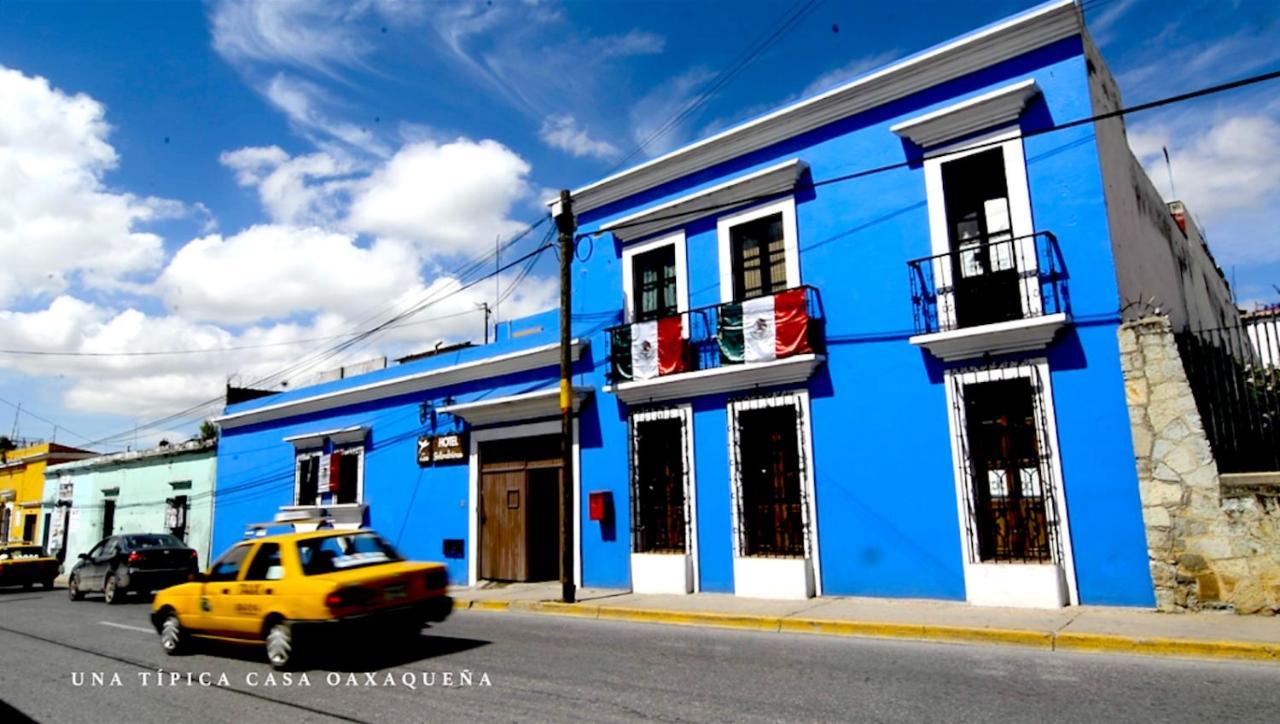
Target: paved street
{"type": "Point", "coordinates": [553, 668]}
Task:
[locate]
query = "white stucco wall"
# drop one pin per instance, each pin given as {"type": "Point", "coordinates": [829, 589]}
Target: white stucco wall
{"type": "Point", "coordinates": [1159, 268]}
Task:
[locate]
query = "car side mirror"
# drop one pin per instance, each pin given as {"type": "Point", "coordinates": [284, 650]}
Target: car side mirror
{"type": "Point", "coordinates": [83, 556]}
{"type": "Point", "coordinates": [197, 577]}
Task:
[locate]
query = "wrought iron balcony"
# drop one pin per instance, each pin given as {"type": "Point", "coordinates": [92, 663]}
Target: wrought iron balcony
{"type": "Point", "coordinates": [787, 324]}
{"type": "Point", "coordinates": [991, 295]}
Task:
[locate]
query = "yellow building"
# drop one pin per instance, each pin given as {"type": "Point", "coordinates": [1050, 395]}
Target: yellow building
{"type": "Point", "coordinates": [22, 485]}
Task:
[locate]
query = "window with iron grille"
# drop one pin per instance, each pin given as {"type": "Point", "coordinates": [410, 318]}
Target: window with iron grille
{"type": "Point", "coordinates": [1001, 422]}
{"type": "Point", "coordinates": [654, 283]}
{"type": "Point", "coordinates": [759, 257]}
{"type": "Point", "coordinates": [659, 475]}
{"type": "Point", "coordinates": [770, 480]}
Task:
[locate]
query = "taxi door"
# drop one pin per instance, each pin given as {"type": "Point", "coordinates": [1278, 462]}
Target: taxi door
{"type": "Point", "coordinates": [251, 596]}
{"type": "Point", "coordinates": [217, 594]}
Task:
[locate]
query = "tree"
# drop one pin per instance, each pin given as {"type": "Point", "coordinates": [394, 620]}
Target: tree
{"type": "Point", "coordinates": [208, 430]}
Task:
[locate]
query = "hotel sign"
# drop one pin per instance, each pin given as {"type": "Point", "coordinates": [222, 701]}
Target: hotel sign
{"type": "Point", "coordinates": [442, 449]}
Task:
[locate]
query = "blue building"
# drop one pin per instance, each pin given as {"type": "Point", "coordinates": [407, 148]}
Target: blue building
{"type": "Point", "coordinates": [864, 344]}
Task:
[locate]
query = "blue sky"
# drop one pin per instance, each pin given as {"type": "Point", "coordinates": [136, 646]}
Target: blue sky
{"type": "Point", "coordinates": [233, 174]}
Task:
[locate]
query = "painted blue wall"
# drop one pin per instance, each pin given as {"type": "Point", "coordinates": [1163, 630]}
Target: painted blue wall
{"type": "Point", "coordinates": [887, 513]}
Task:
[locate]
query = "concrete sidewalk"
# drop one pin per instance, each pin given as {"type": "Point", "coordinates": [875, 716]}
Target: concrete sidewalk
{"type": "Point", "coordinates": [1079, 628]}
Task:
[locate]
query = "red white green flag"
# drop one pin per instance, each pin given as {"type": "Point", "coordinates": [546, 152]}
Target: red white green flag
{"type": "Point", "coordinates": [657, 348]}
{"type": "Point", "coordinates": [775, 326]}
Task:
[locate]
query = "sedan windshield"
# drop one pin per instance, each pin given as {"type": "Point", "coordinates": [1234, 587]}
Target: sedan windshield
{"type": "Point", "coordinates": [153, 541]}
{"type": "Point", "coordinates": [344, 552]}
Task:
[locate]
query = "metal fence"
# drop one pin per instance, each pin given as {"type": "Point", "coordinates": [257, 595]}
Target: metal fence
{"type": "Point", "coordinates": [1236, 383]}
{"type": "Point", "coordinates": [988, 281]}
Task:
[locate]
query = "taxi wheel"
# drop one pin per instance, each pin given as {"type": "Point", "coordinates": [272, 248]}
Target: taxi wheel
{"type": "Point", "coordinates": [73, 589]}
{"type": "Point", "coordinates": [111, 590]}
{"type": "Point", "coordinates": [173, 638]}
{"type": "Point", "coordinates": [281, 647]}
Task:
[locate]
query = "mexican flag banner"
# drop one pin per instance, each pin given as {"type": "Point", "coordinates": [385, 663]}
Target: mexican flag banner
{"type": "Point", "coordinates": [645, 350]}
{"type": "Point", "coordinates": [765, 328]}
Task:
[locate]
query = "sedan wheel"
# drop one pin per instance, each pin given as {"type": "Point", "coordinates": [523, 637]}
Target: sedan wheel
{"type": "Point", "coordinates": [173, 639]}
{"type": "Point", "coordinates": [73, 589]}
{"type": "Point", "coordinates": [280, 645]}
{"type": "Point", "coordinates": [111, 590]}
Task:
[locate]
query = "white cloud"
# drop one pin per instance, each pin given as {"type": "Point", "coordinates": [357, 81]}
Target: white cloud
{"type": "Point", "coordinates": [304, 190]}
{"type": "Point", "coordinates": [58, 219]}
{"type": "Point", "coordinates": [562, 132]}
{"type": "Point", "coordinates": [301, 101]}
{"type": "Point", "coordinates": [444, 197]}
{"type": "Point", "coordinates": [297, 32]}
{"type": "Point", "coordinates": [1231, 165]}
{"type": "Point", "coordinates": [275, 272]}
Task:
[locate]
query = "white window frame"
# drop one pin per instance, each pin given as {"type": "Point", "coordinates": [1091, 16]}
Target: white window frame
{"type": "Point", "coordinates": [349, 449]}
{"type": "Point", "coordinates": [1033, 369]}
{"type": "Point", "coordinates": [1021, 222]}
{"type": "Point", "coordinates": [799, 400]}
{"type": "Point", "coordinates": [725, 224]}
{"type": "Point", "coordinates": [629, 254]}
{"type": "Point", "coordinates": [684, 413]}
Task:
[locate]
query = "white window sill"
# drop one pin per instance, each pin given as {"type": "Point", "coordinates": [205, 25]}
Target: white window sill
{"type": "Point", "coordinates": [719, 379]}
{"type": "Point", "coordinates": [1019, 335]}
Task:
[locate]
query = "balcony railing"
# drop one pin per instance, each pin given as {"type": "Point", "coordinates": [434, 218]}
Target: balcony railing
{"type": "Point", "coordinates": [720, 335]}
{"type": "Point", "coordinates": [988, 281]}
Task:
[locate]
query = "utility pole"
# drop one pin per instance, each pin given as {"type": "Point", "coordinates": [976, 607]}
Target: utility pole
{"type": "Point", "coordinates": [565, 222]}
{"type": "Point", "coordinates": [485, 307]}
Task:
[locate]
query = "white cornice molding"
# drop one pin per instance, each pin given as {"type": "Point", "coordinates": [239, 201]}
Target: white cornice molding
{"type": "Point", "coordinates": [512, 408]}
{"type": "Point", "coordinates": [505, 364]}
{"type": "Point", "coordinates": [1000, 107]}
{"type": "Point", "coordinates": [720, 379]}
{"type": "Point", "coordinates": [1013, 37]}
{"type": "Point", "coordinates": [778, 179]}
{"type": "Point", "coordinates": [341, 436]}
{"type": "Point", "coordinates": [1019, 335]}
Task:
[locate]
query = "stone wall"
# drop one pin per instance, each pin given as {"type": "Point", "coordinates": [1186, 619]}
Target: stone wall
{"type": "Point", "coordinates": [1212, 546]}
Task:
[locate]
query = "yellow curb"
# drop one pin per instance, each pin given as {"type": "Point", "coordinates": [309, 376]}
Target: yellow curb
{"type": "Point", "coordinates": [1066, 641]}
{"type": "Point", "coordinates": [689, 618]}
{"type": "Point", "coordinates": [1156, 646]}
{"type": "Point", "coordinates": [481, 605]}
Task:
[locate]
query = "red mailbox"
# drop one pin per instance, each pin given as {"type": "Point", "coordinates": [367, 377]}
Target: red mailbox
{"type": "Point", "coordinates": [598, 505]}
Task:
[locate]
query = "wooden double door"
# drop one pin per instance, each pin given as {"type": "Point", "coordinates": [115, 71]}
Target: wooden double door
{"type": "Point", "coordinates": [520, 489]}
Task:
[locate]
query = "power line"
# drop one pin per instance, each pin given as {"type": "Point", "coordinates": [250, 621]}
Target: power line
{"type": "Point", "coordinates": [1169, 100]}
{"type": "Point", "coordinates": [56, 425]}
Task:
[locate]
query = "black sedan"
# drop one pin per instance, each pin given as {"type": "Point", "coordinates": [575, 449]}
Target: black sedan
{"type": "Point", "coordinates": [133, 563]}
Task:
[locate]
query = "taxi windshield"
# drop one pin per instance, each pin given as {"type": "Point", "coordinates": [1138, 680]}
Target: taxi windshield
{"type": "Point", "coordinates": [344, 552]}
{"type": "Point", "coordinates": [15, 552]}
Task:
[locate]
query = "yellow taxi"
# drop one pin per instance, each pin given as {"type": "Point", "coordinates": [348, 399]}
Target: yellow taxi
{"type": "Point", "coordinates": [26, 564]}
{"type": "Point", "coordinates": [286, 590]}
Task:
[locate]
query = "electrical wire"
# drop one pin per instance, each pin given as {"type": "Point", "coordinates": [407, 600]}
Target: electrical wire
{"type": "Point", "coordinates": [803, 186]}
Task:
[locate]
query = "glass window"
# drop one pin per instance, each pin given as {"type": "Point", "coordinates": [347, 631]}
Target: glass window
{"type": "Point", "coordinates": [228, 566]}
{"type": "Point", "coordinates": [348, 475]}
{"type": "Point", "coordinates": [343, 552]}
{"type": "Point", "coordinates": [654, 283]}
{"type": "Point", "coordinates": [136, 542]}
{"type": "Point", "coordinates": [266, 565]}
{"type": "Point", "coordinates": [658, 469]}
{"type": "Point", "coordinates": [308, 479]}
{"type": "Point", "coordinates": [772, 506]}
{"type": "Point", "coordinates": [759, 257]}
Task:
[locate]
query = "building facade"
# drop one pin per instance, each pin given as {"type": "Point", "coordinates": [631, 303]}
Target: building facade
{"type": "Point", "coordinates": [865, 344]}
{"type": "Point", "coordinates": [168, 489]}
{"type": "Point", "coordinates": [21, 483]}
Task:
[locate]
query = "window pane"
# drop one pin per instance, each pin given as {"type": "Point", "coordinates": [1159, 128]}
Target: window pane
{"type": "Point", "coordinates": [349, 477]}
{"type": "Point", "coordinates": [769, 455]}
{"type": "Point", "coordinates": [308, 480]}
{"type": "Point", "coordinates": [266, 564]}
{"type": "Point", "coordinates": [759, 251]}
{"type": "Point", "coordinates": [658, 482]}
{"type": "Point", "coordinates": [654, 283]}
{"type": "Point", "coordinates": [228, 566]}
